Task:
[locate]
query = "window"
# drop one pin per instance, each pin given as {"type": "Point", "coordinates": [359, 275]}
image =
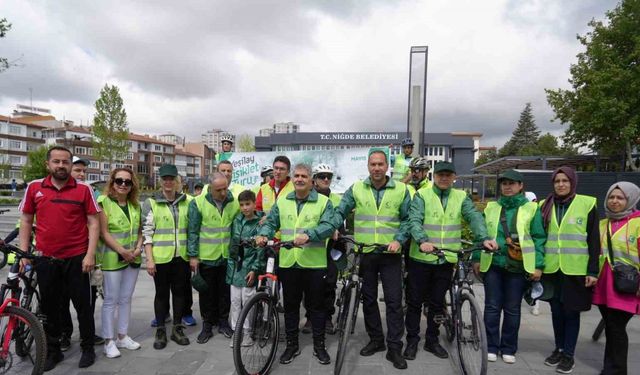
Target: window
{"type": "Point", "coordinates": [15, 159]}
{"type": "Point", "coordinates": [13, 129]}
{"type": "Point", "coordinates": [15, 174]}
{"type": "Point", "coordinates": [90, 151]}
{"type": "Point", "coordinates": [17, 145]}
{"type": "Point", "coordinates": [94, 165]}
{"type": "Point", "coordinates": [129, 155]}
{"type": "Point", "coordinates": [80, 150]}
{"type": "Point", "coordinates": [34, 135]}
{"type": "Point", "coordinates": [157, 148]}
{"type": "Point", "coordinates": [157, 158]}
{"type": "Point", "coordinates": [142, 157]}
{"type": "Point", "coordinates": [2, 143]}
{"type": "Point", "coordinates": [105, 166]}
{"type": "Point", "coordinates": [143, 168]}
{"type": "Point", "coordinates": [441, 151]}
{"type": "Point", "coordinates": [93, 177]}
{"type": "Point", "coordinates": [128, 166]}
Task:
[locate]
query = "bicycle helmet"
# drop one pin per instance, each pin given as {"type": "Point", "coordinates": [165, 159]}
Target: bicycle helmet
{"type": "Point", "coordinates": [226, 138]}
{"type": "Point", "coordinates": [407, 142]}
{"type": "Point", "coordinates": [265, 170]}
{"type": "Point", "coordinates": [322, 168]}
{"type": "Point", "coordinates": [419, 163]}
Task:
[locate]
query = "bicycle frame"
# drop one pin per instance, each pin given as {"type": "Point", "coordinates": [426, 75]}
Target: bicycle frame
{"type": "Point", "coordinates": [11, 325]}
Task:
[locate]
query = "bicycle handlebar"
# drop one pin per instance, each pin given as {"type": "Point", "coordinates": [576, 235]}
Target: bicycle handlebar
{"type": "Point", "coordinates": [7, 248]}
{"type": "Point", "coordinates": [362, 245]}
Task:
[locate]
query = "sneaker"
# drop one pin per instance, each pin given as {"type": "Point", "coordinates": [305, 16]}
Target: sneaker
{"type": "Point", "coordinates": [566, 365]}
{"type": "Point", "coordinates": [205, 334]}
{"type": "Point", "coordinates": [394, 357]}
{"type": "Point", "coordinates": [189, 320]}
{"type": "Point", "coordinates": [372, 348]}
{"type": "Point", "coordinates": [554, 358]}
{"type": "Point", "coordinates": [320, 352]}
{"type": "Point", "coordinates": [307, 327]}
{"type": "Point", "coordinates": [111, 350]}
{"type": "Point", "coordinates": [436, 349]}
{"type": "Point", "coordinates": [247, 341]}
{"type": "Point", "coordinates": [154, 322]}
{"type": "Point", "coordinates": [510, 359]}
{"type": "Point", "coordinates": [65, 342]}
{"type": "Point", "coordinates": [52, 360]}
{"type": "Point", "coordinates": [224, 328]}
{"type": "Point", "coordinates": [492, 357]}
{"type": "Point", "coordinates": [87, 358]}
{"type": "Point", "coordinates": [127, 343]}
{"type": "Point", "coordinates": [161, 338]}
{"type": "Point", "coordinates": [97, 340]}
{"type": "Point", "coordinates": [290, 352]}
{"type": "Point", "coordinates": [177, 335]}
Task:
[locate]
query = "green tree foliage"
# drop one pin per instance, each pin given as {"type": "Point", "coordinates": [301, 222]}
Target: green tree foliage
{"type": "Point", "coordinates": [110, 131]}
{"type": "Point", "coordinates": [602, 107]}
{"type": "Point", "coordinates": [245, 143]}
{"type": "Point", "coordinates": [486, 157]}
{"type": "Point", "coordinates": [525, 134]}
{"type": "Point", "coordinates": [36, 166]}
{"type": "Point", "coordinates": [548, 145]}
{"type": "Point", "coordinates": [5, 26]}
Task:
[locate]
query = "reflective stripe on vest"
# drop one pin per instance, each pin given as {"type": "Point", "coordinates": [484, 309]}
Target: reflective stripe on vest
{"type": "Point", "coordinates": [123, 230]}
{"type": "Point", "coordinates": [567, 249]}
{"type": "Point", "coordinates": [215, 229]}
{"type": "Point", "coordinates": [400, 167]}
{"type": "Point", "coordinates": [374, 224]}
{"type": "Point", "coordinates": [442, 227]}
{"type": "Point", "coordinates": [269, 195]}
{"type": "Point", "coordinates": [624, 242]}
{"type": "Point", "coordinates": [313, 254]}
{"type": "Point", "coordinates": [166, 237]}
{"type": "Point", "coordinates": [526, 213]}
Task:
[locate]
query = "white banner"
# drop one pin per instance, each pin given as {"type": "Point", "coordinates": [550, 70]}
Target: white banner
{"type": "Point", "coordinates": [348, 166]}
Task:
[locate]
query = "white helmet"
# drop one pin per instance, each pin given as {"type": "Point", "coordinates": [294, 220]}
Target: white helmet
{"type": "Point", "coordinates": [265, 169]}
{"type": "Point", "coordinates": [226, 138]}
{"type": "Point", "coordinates": [322, 168]}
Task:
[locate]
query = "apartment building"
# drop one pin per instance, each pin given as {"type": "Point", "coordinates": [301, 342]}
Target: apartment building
{"type": "Point", "coordinates": [17, 138]}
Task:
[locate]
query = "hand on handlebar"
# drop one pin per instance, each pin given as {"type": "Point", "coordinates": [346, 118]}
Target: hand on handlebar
{"type": "Point", "coordinates": [23, 263]}
{"type": "Point", "coordinates": [301, 239]}
{"type": "Point", "coordinates": [427, 247]}
{"type": "Point", "coordinates": [394, 247]}
{"type": "Point", "coordinates": [261, 241]}
{"type": "Point", "coordinates": [491, 245]}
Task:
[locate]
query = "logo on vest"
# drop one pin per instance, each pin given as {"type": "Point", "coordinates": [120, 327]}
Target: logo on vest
{"type": "Point", "coordinates": [579, 221]}
{"type": "Point", "coordinates": [632, 239]}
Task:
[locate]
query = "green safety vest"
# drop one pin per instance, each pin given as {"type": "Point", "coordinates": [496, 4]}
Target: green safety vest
{"type": "Point", "coordinates": [215, 229]}
{"type": "Point", "coordinates": [374, 224]}
{"type": "Point", "coordinates": [624, 242]}
{"type": "Point", "coordinates": [269, 195]}
{"type": "Point", "coordinates": [525, 215]}
{"type": "Point", "coordinates": [164, 238]}
{"type": "Point", "coordinates": [236, 189]}
{"type": "Point", "coordinates": [443, 227]}
{"type": "Point", "coordinates": [292, 223]}
{"type": "Point", "coordinates": [401, 167]}
{"type": "Point", "coordinates": [567, 248]}
{"type": "Point", "coordinates": [424, 184]}
{"type": "Point", "coordinates": [123, 230]}
{"type": "Point", "coordinates": [335, 199]}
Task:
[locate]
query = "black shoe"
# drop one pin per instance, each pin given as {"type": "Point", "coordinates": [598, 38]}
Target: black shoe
{"type": "Point", "coordinates": [161, 338]}
{"type": "Point", "coordinates": [290, 352]}
{"type": "Point", "coordinates": [205, 334]}
{"type": "Point", "coordinates": [329, 328]}
{"type": "Point", "coordinates": [320, 352]}
{"type": "Point", "coordinates": [225, 330]}
{"type": "Point", "coordinates": [436, 349]}
{"type": "Point", "coordinates": [52, 360]}
{"type": "Point", "coordinates": [410, 351]}
{"type": "Point", "coordinates": [307, 328]}
{"type": "Point", "coordinates": [178, 336]}
{"type": "Point", "coordinates": [372, 348]}
{"type": "Point", "coordinates": [566, 365]}
{"type": "Point", "coordinates": [65, 342]}
{"type": "Point", "coordinates": [87, 358]}
{"type": "Point", "coordinates": [554, 358]}
{"type": "Point", "coordinates": [394, 357]}
{"type": "Point", "coordinates": [97, 340]}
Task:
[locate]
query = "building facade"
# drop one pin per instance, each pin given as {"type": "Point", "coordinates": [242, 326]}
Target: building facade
{"type": "Point", "coordinates": [17, 138]}
{"type": "Point", "coordinates": [212, 138]}
{"type": "Point", "coordinates": [206, 159]}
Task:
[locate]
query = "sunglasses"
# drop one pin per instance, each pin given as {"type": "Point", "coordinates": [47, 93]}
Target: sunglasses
{"type": "Point", "coordinates": [323, 176]}
{"type": "Point", "coordinates": [123, 182]}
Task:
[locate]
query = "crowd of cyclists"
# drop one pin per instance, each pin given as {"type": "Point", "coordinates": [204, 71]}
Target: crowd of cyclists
{"type": "Point", "coordinates": [558, 245]}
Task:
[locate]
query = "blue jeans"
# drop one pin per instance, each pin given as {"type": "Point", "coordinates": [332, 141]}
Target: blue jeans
{"type": "Point", "coordinates": [503, 293]}
{"type": "Point", "coordinates": [566, 326]}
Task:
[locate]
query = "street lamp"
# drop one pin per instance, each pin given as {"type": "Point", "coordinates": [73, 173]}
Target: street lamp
{"type": "Point", "coordinates": [416, 103]}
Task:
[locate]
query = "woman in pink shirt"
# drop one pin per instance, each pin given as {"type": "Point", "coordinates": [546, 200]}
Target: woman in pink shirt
{"type": "Point", "coordinates": [621, 228]}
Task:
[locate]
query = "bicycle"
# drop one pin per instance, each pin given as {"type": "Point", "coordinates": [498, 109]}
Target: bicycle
{"type": "Point", "coordinates": [463, 319]}
{"type": "Point", "coordinates": [348, 301]}
{"type": "Point", "coordinates": [21, 330]}
{"type": "Point", "coordinates": [262, 312]}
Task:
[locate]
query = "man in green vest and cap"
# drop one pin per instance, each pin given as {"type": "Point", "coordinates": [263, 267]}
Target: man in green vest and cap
{"type": "Point", "coordinates": [209, 236]}
{"type": "Point", "coordinates": [381, 212]}
{"type": "Point", "coordinates": [401, 162]}
{"type": "Point", "coordinates": [435, 222]}
{"type": "Point", "coordinates": [306, 218]}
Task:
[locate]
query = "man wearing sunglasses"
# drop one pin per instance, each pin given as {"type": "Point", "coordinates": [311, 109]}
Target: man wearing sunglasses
{"type": "Point", "coordinates": [419, 168]}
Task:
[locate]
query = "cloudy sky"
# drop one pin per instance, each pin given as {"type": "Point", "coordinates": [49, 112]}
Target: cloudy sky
{"type": "Point", "coordinates": [191, 65]}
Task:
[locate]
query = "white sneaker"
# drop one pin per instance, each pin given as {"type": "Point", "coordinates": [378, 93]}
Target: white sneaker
{"type": "Point", "coordinates": [110, 349]}
{"type": "Point", "coordinates": [247, 340]}
{"type": "Point", "coordinates": [127, 343]}
{"type": "Point", "coordinates": [510, 359]}
{"type": "Point", "coordinates": [491, 357]}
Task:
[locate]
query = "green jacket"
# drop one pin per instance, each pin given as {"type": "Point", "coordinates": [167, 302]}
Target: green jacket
{"type": "Point", "coordinates": [251, 258]}
{"type": "Point", "coordinates": [538, 235]}
{"type": "Point", "coordinates": [193, 230]}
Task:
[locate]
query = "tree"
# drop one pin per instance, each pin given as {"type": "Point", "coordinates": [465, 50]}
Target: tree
{"type": "Point", "coordinates": [245, 143]}
{"type": "Point", "coordinates": [110, 131]}
{"type": "Point", "coordinates": [5, 26]}
{"type": "Point", "coordinates": [602, 107]}
{"type": "Point", "coordinates": [525, 134]}
{"type": "Point", "coordinates": [36, 166]}
{"type": "Point", "coordinates": [487, 156]}
{"type": "Point", "coordinates": [547, 145]}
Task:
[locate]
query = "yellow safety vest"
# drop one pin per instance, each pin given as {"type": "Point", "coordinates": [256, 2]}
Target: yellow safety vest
{"type": "Point", "coordinates": [313, 254]}
{"type": "Point", "coordinates": [443, 227]}
{"type": "Point", "coordinates": [269, 195]}
{"type": "Point", "coordinates": [624, 242]}
{"type": "Point", "coordinates": [424, 184]}
{"type": "Point", "coordinates": [567, 249]}
{"type": "Point", "coordinates": [525, 215]}
{"type": "Point", "coordinates": [215, 229]}
{"type": "Point", "coordinates": [236, 189]}
{"type": "Point", "coordinates": [122, 229]}
{"type": "Point", "coordinates": [165, 239]}
{"type": "Point", "coordinates": [401, 167]}
{"type": "Point", "coordinates": [373, 224]}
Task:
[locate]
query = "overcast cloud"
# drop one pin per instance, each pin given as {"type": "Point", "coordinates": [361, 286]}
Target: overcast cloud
{"type": "Point", "coordinates": [189, 66]}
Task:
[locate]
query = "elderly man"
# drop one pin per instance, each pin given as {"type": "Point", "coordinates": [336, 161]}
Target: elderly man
{"type": "Point", "coordinates": [306, 218]}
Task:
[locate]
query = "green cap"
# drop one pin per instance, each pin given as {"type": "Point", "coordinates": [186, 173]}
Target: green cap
{"type": "Point", "coordinates": [444, 166]}
{"type": "Point", "coordinates": [198, 185]}
{"type": "Point", "coordinates": [512, 175]}
{"type": "Point", "coordinates": [168, 170]}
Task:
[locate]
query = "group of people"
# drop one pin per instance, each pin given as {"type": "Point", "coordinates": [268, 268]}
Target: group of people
{"type": "Point", "coordinates": [201, 241]}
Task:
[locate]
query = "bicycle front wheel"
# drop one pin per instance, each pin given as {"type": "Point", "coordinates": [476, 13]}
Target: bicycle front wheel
{"type": "Point", "coordinates": [448, 316]}
{"type": "Point", "coordinates": [472, 337]}
{"type": "Point", "coordinates": [32, 362]}
{"type": "Point", "coordinates": [344, 328]}
{"type": "Point", "coordinates": [255, 340]}
{"type": "Point", "coordinates": [30, 302]}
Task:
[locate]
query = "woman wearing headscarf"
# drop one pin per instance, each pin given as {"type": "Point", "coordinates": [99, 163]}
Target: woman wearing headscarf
{"type": "Point", "coordinates": [621, 229]}
{"type": "Point", "coordinates": [571, 262]}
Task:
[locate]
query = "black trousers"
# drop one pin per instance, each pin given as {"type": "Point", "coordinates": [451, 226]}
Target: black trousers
{"type": "Point", "coordinates": [310, 283]}
{"type": "Point", "coordinates": [170, 282]}
{"type": "Point", "coordinates": [188, 295]}
{"type": "Point", "coordinates": [617, 344]}
{"type": "Point", "coordinates": [427, 283]}
{"type": "Point", "coordinates": [65, 275]}
{"type": "Point", "coordinates": [216, 301]}
{"type": "Point", "coordinates": [65, 313]}
{"type": "Point", "coordinates": [389, 268]}
{"type": "Point", "coordinates": [329, 291]}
